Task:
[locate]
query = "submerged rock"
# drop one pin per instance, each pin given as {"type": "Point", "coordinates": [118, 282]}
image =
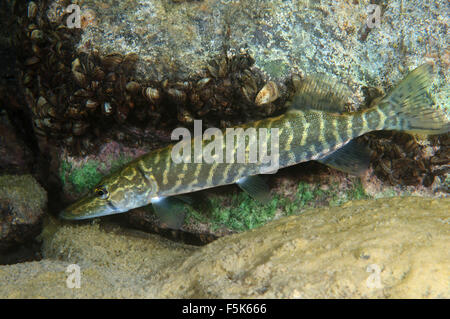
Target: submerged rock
{"type": "Point", "coordinates": [394, 248]}
{"type": "Point", "coordinates": [175, 39]}
{"type": "Point", "coordinates": [22, 205]}
{"type": "Point", "coordinates": [137, 67]}
{"type": "Point", "coordinates": [15, 156]}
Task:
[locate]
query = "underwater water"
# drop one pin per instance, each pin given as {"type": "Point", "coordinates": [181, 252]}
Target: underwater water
{"type": "Point", "coordinates": [353, 101]}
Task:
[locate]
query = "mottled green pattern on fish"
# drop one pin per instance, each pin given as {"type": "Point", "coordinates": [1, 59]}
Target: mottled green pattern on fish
{"type": "Point", "coordinates": [304, 134]}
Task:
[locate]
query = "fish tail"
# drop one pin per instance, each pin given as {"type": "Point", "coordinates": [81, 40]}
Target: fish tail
{"type": "Point", "coordinates": [409, 107]}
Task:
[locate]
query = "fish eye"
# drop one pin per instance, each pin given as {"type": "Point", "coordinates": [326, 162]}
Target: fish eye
{"type": "Point", "coordinates": [101, 192]}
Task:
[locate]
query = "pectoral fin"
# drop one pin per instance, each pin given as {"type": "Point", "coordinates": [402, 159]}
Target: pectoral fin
{"type": "Point", "coordinates": [170, 211]}
{"type": "Point", "coordinates": [185, 198]}
{"type": "Point", "coordinates": [256, 187]}
{"type": "Point", "coordinates": [353, 158]}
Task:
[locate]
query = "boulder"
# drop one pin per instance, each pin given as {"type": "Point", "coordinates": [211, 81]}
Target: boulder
{"type": "Point", "coordinates": [22, 205]}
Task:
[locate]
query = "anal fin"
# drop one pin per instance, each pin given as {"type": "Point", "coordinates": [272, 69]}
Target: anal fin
{"type": "Point", "coordinates": [353, 158]}
{"type": "Point", "coordinates": [170, 211]}
{"type": "Point", "coordinates": [256, 187]}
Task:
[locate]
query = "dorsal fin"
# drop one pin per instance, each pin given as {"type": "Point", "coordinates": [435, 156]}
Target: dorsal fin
{"type": "Point", "coordinates": [319, 92]}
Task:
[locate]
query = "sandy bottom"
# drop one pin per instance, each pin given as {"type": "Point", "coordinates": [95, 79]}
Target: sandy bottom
{"type": "Point", "coordinates": [386, 248]}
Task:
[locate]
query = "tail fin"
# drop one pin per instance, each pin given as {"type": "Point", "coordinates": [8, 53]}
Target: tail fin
{"type": "Point", "coordinates": [408, 106]}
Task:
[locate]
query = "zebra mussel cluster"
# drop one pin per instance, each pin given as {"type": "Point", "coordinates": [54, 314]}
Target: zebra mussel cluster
{"type": "Point", "coordinates": [79, 97]}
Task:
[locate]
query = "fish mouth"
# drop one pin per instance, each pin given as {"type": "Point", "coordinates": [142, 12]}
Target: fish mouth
{"type": "Point", "coordinates": [68, 215]}
{"type": "Point", "coordinates": [88, 207]}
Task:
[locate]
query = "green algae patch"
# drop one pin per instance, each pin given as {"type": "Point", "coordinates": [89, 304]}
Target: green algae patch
{"type": "Point", "coordinates": [355, 192]}
{"type": "Point", "coordinates": [306, 196]}
{"type": "Point", "coordinates": [85, 177]}
{"type": "Point", "coordinates": [243, 213]}
{"type": "Point", "coordinates": [239, 212]}
{"type": "Point", "coordinates": [81, 177]}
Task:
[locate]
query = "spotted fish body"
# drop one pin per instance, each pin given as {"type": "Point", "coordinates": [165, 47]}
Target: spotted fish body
{"type": "Point", "coordinates": [304, 134]}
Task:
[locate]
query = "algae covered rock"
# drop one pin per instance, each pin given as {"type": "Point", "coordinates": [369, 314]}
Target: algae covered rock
{"type": "Point", "coordinates": [386, 248]}
{"type": "Point", "coordinates": [22, 205]}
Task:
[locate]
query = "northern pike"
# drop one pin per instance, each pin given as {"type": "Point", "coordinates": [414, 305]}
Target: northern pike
{"type": "Point", "coordinates": [311, 129]}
